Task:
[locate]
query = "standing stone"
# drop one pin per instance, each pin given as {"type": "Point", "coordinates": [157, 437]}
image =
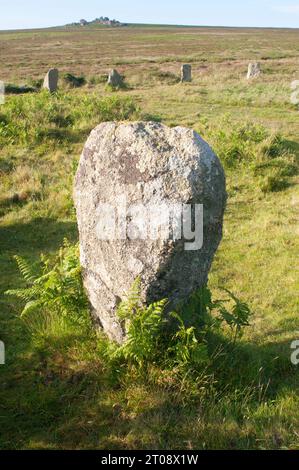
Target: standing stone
{"type": "Point", "coordinates": [129, 167]}
{"type": "Point", "coordinates": [186, 73]}
{"type": "Point", "coordinates": [254, 70]}
{"type": "Point", "coordinates": [115, 79]}
{"type": "Point", "coordinates": [51, 80]}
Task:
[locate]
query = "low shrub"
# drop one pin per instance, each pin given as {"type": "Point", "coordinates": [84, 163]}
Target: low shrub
{"type": "Point", "coordinates": [73, 81]}
{"type": "Point", "coordinates": [166, 77]}
{"type": "Point", "coordinates": [18, 89]}
{"type": "Point", "coordinates": [273, 182]}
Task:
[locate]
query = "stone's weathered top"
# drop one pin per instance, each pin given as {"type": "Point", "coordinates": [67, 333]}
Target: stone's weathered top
{"type": "Point", "coordinates": [51, 80]}
{"type": "Point", "coordinates": [186, 73]}
{"type": "Point", "coordinates": [145, 164]}
{"type": "Point", "coordinates": [115, 79]}
{"type": "Point", "coordinates": [254, 70]}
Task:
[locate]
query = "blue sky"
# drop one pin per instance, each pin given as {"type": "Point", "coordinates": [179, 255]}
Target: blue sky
{"type": "Point", "coordinates": [42, 13]}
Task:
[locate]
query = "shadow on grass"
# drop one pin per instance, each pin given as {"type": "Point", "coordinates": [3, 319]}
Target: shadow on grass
{"type": "Point", "coordinates": [28, 240]}
{"type": "Point", "coordinates": [265, 368]}
{"type": "Point", "coordinates": [34, 237]}
{"type": "Point", "coordinates": [19, 90]}
{"type": "Point", "coordinates": [58, 393]}
{"type": "Point", "coordinates": [59, 397]}
{"type": "Point", "coordinates": [60, 403]}
{"type": "Point", "coordinates": [291, 145]}
{"type": "Point", "coordinates": [8, 204]}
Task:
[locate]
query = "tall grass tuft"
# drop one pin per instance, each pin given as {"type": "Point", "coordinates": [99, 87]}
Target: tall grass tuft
{"type": "Point", "coordinates": [252, 147]}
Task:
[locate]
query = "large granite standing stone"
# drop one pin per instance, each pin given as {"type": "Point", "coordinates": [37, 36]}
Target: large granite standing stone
{"type": "Point", "coordinates": [254, 70]}
{"type": "Point", "coordinates": [51, 80]}
{"type": "Point", "coordinates": [186, 73]}
{"type": "Point", "coordinates": [115, 79]}
{"type": "Point", "coordinates": [128, 167]}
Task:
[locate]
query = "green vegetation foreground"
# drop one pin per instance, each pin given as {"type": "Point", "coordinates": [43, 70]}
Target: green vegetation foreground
{"type": "Point", "coordinates": [62, 385]}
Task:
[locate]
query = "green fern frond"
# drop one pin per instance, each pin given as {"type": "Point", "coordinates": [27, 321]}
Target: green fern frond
{"type": "Point", "coordinates": [127, 308]}
{"type": "Point", "coordinates": [57, 288]}
{"type": "Point", "coordinates": [23, 294]}
{"type": "Point", "coordinates": [25, 269]}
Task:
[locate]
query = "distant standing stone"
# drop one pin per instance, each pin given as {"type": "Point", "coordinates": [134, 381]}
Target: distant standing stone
{"type": "Point", "coordinates": [186, 73]}
{"type": "Point", "coordinates": [115, 79]}
{"type": "Point", "coordinates": [254, 70]}
{"type": "Point", "coordinates": [51, 80]}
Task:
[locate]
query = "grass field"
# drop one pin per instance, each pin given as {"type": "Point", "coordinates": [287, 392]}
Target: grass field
{"type": "Point", "coordinates": [57, 390]}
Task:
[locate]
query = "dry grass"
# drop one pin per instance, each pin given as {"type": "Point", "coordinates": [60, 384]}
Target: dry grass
{"type": "Point", "coordinates": [92, 51]}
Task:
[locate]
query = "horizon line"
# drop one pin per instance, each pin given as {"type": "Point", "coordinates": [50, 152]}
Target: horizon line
{"type": "Point", "coordinates": [126, 24]}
